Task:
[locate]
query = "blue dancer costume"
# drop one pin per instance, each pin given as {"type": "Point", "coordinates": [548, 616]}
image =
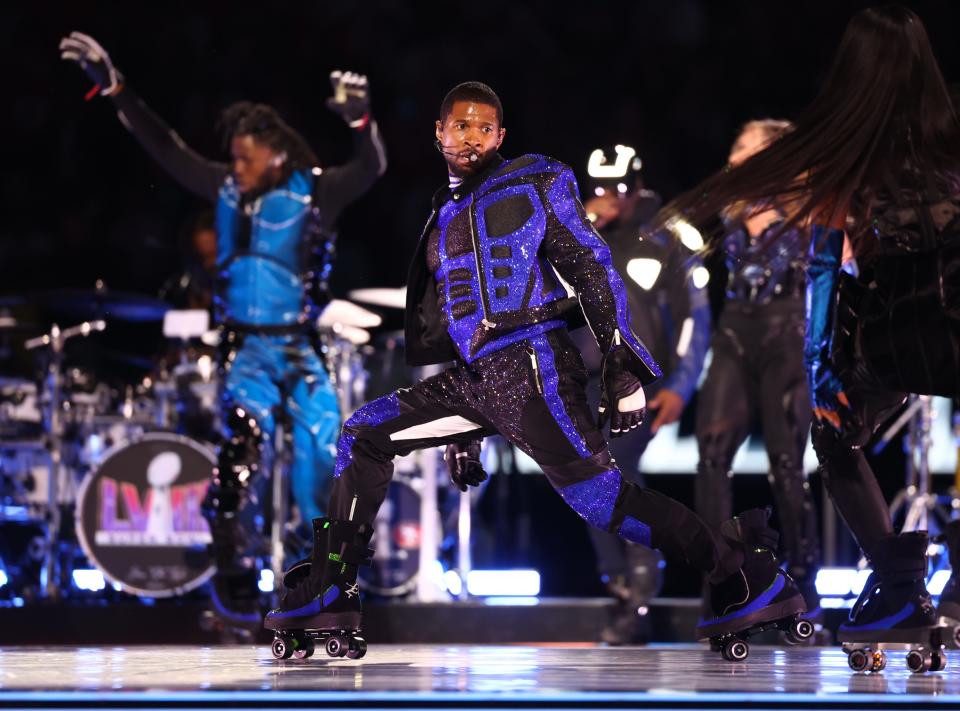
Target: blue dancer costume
{"type": "Point", "coordinates": [274, 253]}
{"type": "Point", "coordinates": [486, 290]}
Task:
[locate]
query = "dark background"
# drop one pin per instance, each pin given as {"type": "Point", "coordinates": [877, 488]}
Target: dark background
{"type": "Point", "coordinates": [81, 201]}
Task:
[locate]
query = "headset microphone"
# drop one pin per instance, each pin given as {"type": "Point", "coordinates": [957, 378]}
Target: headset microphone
{"type": "Point", "coordinates": [473, 156]}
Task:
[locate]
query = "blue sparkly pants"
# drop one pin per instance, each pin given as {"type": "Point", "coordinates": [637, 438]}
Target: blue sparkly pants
{"type": "Point", "coordinates": [533, 393]}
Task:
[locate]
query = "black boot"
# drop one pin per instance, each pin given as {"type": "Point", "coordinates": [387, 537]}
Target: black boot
{"type": "Point", "coordinates": [894, 605]}
{"type": "Point", "coordinates": [235, 594]}
{"type": "Point", "coordinates": [759, 592]}
{"type": "Point", "coordinates": [633, 592]}
{"type": "Point", "coordinates": [234, 588]}
{"type": "Point", "coordinates": [949, 606]}
{"type": "Point", "coordinates": [322, 593]}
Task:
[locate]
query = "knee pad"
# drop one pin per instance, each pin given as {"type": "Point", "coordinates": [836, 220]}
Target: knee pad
{"type": "Point", "coordinates": [786, 475]}
{"type": "Point", "coordinates": [717, 448]}
{"type": "Point", "coordinates": [237, 463]}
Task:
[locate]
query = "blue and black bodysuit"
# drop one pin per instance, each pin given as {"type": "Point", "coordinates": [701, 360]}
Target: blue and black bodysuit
{"type": "Point", "coordinates": [506, 264]}
{"type": "Point", "coordinates": [274, 253]}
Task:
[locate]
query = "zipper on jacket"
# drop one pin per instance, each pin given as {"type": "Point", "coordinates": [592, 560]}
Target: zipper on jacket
{"type": "Point", "coordinates": [482, 281]}
{"type": "Point", "coordinates": [535, 365]}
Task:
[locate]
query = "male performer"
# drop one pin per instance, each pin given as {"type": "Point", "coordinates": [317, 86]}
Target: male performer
{"type": "Point", "coordinates": [486, 290]}
{"type": "Point", "coordinates": [275, 213]}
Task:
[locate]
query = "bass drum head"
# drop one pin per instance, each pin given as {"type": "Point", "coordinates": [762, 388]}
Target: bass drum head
{"type": "Point", "coordinates": [396, 543]}
{"type": "Point", "coordinates": [138, 515]}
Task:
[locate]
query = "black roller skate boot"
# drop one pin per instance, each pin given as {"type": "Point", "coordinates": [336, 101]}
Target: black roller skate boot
{"type": "Point", "coordinates": [757, 597]}
{"type": "Point", "coordinates": [894, 609]}
{"type": "Point", "coordinates": [234, 589]}
{"type": "Point", "coordinates": [948, 611]}
{"type": "Point", "coordinates": [320, 599]}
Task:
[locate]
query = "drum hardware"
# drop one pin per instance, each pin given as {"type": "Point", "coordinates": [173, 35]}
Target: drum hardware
{"type": "Point", "coordinates": [54, 342]}
{"type": "Point", "coordinates": [138, 515]}
{"type": "Point", "coordinates": [280, 473]}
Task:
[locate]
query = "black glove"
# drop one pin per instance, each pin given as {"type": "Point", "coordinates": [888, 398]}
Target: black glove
{"type": "Point", "coordinates": [93, 59]}
{"type": "Point", "coordinates": [619, 383]}
{"type": "Point", "coordinates": [351, 97]}
{"type": "Point", "coordinates": [463, 462]}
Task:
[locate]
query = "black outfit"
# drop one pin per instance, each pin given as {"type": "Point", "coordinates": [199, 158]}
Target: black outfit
{"type": "Point", "coordinates": [757, 371]}
{"type": "Point", "coordinates": [896, 330]}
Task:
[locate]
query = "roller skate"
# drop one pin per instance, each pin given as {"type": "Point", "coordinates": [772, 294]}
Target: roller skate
{"type": "Point", "coordinates": [948, 611]}
{"type": "Point", "coordinates": [758, 597]}
{"type": "Point", "coordinates": [235, 600]}
{"type": "Point", "coordinates": [320, 598]}
{"type": "Point", "coordinates": [894, 610]}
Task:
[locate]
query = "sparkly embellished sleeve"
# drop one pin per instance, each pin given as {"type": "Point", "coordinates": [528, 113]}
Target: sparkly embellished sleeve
{"type": "Point", "coordinates": [582, 258]}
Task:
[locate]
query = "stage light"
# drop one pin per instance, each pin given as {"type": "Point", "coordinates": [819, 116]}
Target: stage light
{"type": "Point", "coordinates": [644, 272]}
{"type": "Point", "coordinates": [836, 603]}
{"type": "Point", "coordinates": [3, 578]}
{"type": "Point", "coordinates": [938, 582]}
{"type": "Point", "coordinates": [266, 581]}
{"type": "Point", "coordinates": [689, 235]}
{"type": "Point", "coordinates": [88, 579]}
{"type": "Point", "coordinates": [700, 276]}
{"type": "Point", "coordinates": [500, 583]}
{"type": "Point", "coordinates": [840, 582]}
{"type": "Point", "coordinates": [519, 601]}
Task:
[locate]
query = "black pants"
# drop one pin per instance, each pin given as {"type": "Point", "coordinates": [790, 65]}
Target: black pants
{"type": "Point", "coordinates": [533, 393]}
{"type": "Point", "coordinates": [847, 475]}
{"type": "Point", "coordinates": [757, 371]}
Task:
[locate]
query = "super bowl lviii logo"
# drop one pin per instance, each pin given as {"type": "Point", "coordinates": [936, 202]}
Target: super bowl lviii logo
{"type": "Point", "coordinates": [154, 512]}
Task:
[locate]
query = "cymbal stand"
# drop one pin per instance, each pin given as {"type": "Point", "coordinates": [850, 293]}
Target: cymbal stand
{"type": "Point", "coordinates": [917, 500]}
{"type": "Point", "coordinates": [55, 341]}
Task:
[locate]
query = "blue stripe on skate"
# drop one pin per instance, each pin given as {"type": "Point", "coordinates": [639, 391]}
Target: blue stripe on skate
{"type": "Point", "coordinates": [882, 624]}
{"type": "Point", "coordinates": [314, 607]}
{"type": "Point", "coordinates": [241, 618]}
{"type": "Point", "coordinates": [762, 601]}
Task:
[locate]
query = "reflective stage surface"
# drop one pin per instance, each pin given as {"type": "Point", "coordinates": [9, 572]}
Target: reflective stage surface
{"type": "Point", "coordinates": [673, 676]}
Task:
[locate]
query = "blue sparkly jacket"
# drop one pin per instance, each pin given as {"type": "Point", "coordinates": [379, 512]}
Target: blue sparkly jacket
{"type": "Point", "coordinates": [507, 241]}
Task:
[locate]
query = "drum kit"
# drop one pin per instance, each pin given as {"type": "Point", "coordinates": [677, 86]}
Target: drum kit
{"type": "Point", "coordinates": [105, 456]}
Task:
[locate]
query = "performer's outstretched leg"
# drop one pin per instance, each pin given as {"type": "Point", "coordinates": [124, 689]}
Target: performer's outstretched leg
{"type": "Point", "coordinates": [320, 593]}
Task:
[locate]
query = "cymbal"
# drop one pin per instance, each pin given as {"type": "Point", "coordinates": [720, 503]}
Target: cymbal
{"type": "Point", "coordinates": [356, 336]}
{"type": "Point", "coordinates": [390, 297]}
{"type": "Point", "coordinates": [105, 304]}
{"type": "Point", "coordinates": [344, 313]}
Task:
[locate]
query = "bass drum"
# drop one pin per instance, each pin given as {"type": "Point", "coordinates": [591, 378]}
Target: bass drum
{"type": "Point", "coordinates": [138, 515]}
{"type": "Point", "coordinates": [396, 542]}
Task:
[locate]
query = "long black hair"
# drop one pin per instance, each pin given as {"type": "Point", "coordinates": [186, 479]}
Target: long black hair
{"type": "Point", "coordinates": [883, 106]}
{"type": "Point", "coordinates": [264, 125]}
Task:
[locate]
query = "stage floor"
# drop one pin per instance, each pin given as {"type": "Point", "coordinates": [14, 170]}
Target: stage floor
{"type": "Point", "coordinates": [670, 676]}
